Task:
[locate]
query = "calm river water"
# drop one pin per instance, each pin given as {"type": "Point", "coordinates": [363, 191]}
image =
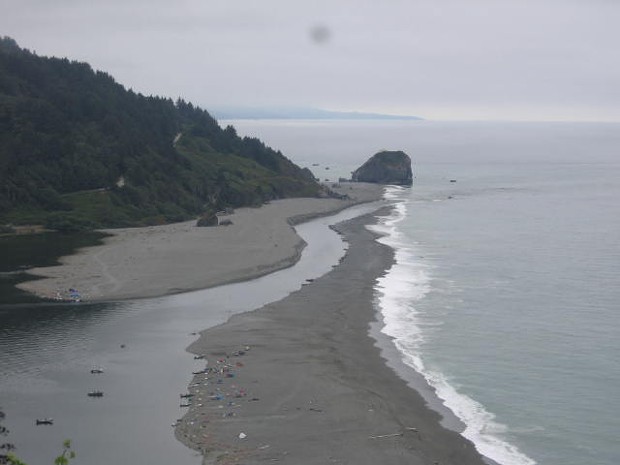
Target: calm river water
{"type": "Point", "coordinates": [48, 350]}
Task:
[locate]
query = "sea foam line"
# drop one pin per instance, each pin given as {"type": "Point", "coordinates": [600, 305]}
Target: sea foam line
{"type": "Point", "coordinates": [405, 283]}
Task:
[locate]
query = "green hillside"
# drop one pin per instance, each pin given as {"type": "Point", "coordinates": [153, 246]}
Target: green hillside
{"type": "Point", "coordinates": [78, 150]}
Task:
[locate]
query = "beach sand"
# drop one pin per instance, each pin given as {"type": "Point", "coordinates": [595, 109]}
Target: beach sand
{"type": "Point", "coordinates": [162, 260]}
{"type": "Point", "coordinates": [300, 381]}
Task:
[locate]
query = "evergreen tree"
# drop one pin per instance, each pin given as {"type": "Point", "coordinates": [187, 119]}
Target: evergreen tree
{"type": "Point", "coordinates": [76, 146]}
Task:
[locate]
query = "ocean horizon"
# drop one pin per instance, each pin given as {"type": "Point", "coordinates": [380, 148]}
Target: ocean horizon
{"type": "Point", "coordinates": [502, 298]}
{"type": "Point", "coordinates": [505, 286]}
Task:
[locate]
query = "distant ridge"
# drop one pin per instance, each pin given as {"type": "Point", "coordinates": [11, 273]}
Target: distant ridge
{"type": "Point", "coordinates": [226, 113]}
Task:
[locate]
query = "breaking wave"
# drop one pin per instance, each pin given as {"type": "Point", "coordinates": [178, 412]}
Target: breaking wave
{"type": "Point", "coordinates": [406, 283]}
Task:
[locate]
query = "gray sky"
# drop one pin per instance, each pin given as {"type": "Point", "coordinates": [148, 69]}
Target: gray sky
{"type": "Point", "coordinates": [439, 59]}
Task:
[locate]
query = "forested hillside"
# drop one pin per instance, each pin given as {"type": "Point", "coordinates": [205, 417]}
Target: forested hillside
{"type": "Point", "coordinates": [79, 150]}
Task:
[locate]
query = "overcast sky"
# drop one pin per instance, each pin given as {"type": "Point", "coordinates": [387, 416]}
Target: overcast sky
{"type": "Point", "coordinates": [439, 59]}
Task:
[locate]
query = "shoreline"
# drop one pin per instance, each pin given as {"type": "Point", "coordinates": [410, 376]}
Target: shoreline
{"type": "Point", "coordinates": [135, 263]}
{"type": "Point", "coordinates": [303, 381]}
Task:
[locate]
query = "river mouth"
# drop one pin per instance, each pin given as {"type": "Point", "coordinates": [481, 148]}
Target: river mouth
{"type": "Point", "coordinates": [47, 352]}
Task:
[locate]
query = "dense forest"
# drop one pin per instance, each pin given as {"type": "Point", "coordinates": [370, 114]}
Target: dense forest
{"type": "Point", "coordinates": [78, 150]}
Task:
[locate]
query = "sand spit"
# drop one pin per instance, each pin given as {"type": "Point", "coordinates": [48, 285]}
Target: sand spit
{"type": "Point", "coordinates": [300, 381]}
{"type": "Point", "coordinates": [161, 260]}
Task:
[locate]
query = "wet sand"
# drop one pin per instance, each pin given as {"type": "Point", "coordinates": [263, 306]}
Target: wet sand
{"type": "Point", "coordinates": [300, 381]}
{"type": "Point", "coordinates": [162, 260]}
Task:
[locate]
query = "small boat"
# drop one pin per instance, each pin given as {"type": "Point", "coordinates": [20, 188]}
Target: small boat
{"type": "Point", "coordinates": [199, 357]}
{"type": "Point", "coordinates": [452, 180]}
{"type": "Point", "coordinates": [186, 396]}
{"type": "Point", "coordinates": [45, 421]}
{"type": "Point", "coordinates": [185, 405]}
{"type": "Point", "coordinates": [95, 394]}
{"type": "Point", "coordinates": [96, 370]}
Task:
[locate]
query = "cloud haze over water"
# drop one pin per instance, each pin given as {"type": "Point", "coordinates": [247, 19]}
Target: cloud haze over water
{"type": "Point", "coordinates": [441, 59]}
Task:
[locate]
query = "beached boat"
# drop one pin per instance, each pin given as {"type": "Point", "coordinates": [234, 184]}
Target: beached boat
{"type": "Point", "coordinates": [74, 295]}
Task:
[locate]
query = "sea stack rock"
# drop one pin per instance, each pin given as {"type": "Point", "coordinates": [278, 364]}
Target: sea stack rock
{"type": "Point", "coordinates": [387, 167]}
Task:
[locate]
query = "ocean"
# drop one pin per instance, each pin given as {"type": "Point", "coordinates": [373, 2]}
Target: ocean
{"type": "Point", "coordinates": [506, 288]}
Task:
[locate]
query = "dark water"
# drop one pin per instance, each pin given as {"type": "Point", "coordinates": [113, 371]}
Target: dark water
{"type": "Point", "coordinates": [48, 350]}
{"type": "Point", "coordinates": [19, 253]}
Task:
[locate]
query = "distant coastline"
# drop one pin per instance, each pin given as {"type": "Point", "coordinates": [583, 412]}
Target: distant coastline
{"type": "Point", "coordinates": [235, 113]}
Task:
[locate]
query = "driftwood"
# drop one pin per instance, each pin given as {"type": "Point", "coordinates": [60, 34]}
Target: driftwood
{"type": "Point", "coordinates": [385, 436]}
{"type": "Point", "coordinates": [393, 435]}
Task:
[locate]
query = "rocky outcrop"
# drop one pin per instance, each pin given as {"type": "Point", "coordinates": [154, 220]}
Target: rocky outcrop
{"type": "Point", "coordinates": [215, 219]}
{"type": "Point", "coordinates": [207, 219]}
{"type": "Point", "coordinates": [387, 167]}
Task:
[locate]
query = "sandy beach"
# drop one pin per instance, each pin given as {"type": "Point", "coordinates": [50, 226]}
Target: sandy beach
{"type": "Point", "coordinates": [300, 381]}
{"type": "Point", "coordinates": [161, 260]}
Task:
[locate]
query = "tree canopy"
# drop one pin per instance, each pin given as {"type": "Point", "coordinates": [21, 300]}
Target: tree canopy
{"type": "Point", "coordinates": [78, 150]}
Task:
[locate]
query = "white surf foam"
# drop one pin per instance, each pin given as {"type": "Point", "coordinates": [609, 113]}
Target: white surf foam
{"type": "Point", "coordinates": [408, 281]}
